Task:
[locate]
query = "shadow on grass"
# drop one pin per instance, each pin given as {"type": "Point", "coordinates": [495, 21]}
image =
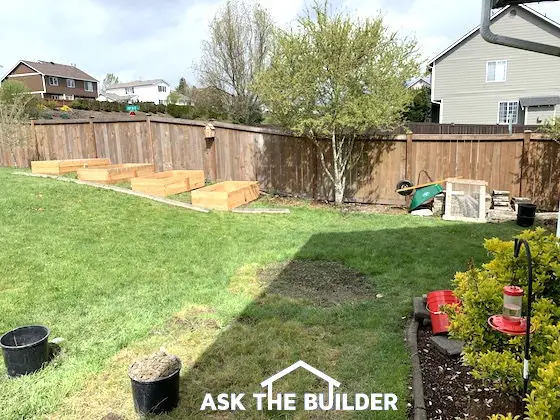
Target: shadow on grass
{"type": "Point", "coordinates": [340, 305]}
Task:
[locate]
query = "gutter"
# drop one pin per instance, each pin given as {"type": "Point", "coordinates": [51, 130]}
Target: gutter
{"type": "Point", "coordinates": [507, 41]}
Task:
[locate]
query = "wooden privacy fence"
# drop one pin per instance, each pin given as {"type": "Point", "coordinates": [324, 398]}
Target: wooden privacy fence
{"type": "Point", "coordinates": [524, 163]}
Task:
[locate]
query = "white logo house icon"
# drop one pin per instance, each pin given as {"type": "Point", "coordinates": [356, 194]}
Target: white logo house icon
{"type": "Point", "coordinates": [301, 364]}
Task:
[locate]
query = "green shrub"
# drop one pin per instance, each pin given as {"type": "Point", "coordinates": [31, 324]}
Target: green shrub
{"type": "Point", "coordinates": [497, 357]}
{"type": "Point", "coordinates": [148, 107]}
{"type": "Point", "coordinates": [508, 416]}
{"type": "Point", "coordinates": [180, 111]}
{"type": "Point", "coordinates": [51, 104]}
{"type": "Point", "coordinates": [543, 402]}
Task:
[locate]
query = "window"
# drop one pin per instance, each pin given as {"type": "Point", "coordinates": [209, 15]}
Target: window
{"type": "Point", "coordinates": [129, 90]}
{"type": "Point", "coordinates": [496, 71]}
{"type": "Point", "coordinates": [71, 83]}
{"type": "Point", "coordinates": [508, 112]}
{"type": "Point", "coordinates": [53, 81]}
{"type": "Point", "coordinates": [161, 102]}
{"type": "Point", "coordinates": [162, 88]}
{"type": "Point", "coordinates": [88, 86]}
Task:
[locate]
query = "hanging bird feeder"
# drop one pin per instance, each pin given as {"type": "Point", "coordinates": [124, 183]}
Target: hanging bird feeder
{"type": "Point", "coordinates": [510, 322]}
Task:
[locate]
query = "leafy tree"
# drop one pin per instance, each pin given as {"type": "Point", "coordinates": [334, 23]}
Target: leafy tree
{"type": "Point", "coordinates": [551, 128]}
{"type": "Point", "coordinates": [109, 80]}
{"type": "Point", "coordinates": [239, 47]}
{"type": "Point", "coordinates": [182, 87]}
{"type": "Point", "coordinates": [335, 78]}
{"type": "Point", "coordinates": [16, 106]}
{"type": "Point", "coordinates": [421, 106]}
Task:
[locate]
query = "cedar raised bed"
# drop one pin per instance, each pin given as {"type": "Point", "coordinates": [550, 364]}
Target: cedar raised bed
{"type": "Point", "coordinates": [60, 167]}
{"type": "Point", "coordinates": [112, 174]}
{"type": "Point", "coordinates": [226, 195]}
{"type": "Point", "coordinates": [167, 183]}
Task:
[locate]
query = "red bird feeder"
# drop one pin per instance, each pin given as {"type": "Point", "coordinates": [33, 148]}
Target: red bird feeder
{"type": "Point", "coordinates": [510, 322]}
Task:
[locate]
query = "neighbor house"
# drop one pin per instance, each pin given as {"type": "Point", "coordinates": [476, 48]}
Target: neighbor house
{"type": "Point", "coordinates": [155, 91]}
{"type": "Point", "coordinates": [475, 82]}
{"type": "Point", "coordinates": [419, 82]}
{"type": "Point", "coordinates": [53, 80]}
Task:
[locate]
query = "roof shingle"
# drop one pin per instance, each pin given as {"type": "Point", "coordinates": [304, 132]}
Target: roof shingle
{"type": "Point", "coordinates": [59, 70]}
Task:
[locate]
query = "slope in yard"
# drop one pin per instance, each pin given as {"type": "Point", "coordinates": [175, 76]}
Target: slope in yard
{"type": "Point", "coordinates": [237, 297]}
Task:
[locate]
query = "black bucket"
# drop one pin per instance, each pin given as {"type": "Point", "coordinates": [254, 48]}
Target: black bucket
{"type": "Point", "coordinates": [26, 349]}
{"type": "Point", "coordinates": [526, 214]}
{"type": "Point", "coordinates": [156, 397]}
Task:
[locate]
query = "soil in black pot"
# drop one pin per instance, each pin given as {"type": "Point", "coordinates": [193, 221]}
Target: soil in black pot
{"type": "Point", "coordinates": [156, 366]}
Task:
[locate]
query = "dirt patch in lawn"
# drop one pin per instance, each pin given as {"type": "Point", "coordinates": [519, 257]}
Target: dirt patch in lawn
{"type": "Point", "coordinates": [283, 201]}
{"type": "Point", "coordinates": [450, 391]}
{"type": "Point", "coordinates": [324, 283]}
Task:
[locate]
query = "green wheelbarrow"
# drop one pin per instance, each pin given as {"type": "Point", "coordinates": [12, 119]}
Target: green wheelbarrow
{"type": "Point", "coordinates": [422, 193]}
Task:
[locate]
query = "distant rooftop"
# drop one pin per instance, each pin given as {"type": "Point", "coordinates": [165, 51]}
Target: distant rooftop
{"type": "Point", "coordinates": [414, 80]}
{"type": "Point", "coordinates": [137, 83]}
{"type": "Point", "coordinates": [50, 68]}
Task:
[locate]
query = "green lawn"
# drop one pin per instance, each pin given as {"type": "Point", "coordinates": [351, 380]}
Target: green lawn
{"type": "Point", "coordinates": [118, 276]}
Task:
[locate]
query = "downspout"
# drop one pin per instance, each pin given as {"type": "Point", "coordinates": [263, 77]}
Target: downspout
{"type": "Point", "coordinates": [521, 44]}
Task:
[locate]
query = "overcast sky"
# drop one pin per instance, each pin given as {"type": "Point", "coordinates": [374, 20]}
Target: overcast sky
{"type": "Point", "coordinates": [148, 39]}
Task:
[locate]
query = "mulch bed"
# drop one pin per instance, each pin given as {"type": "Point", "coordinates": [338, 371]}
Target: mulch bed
{"type": "Point", "coordinates": [450, 391]}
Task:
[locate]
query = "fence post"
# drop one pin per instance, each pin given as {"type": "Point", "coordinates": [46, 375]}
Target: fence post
{"type": "Point", "coordinates": [35, 143]}
{"type": "Point", "coordinates": [409, 160]}
{"type": "Point", "coordinates": [93, 139]}
{"type": "Point", "coordinates": [525, 163]}
{"type": "Point", "coordinates": [151, 139]}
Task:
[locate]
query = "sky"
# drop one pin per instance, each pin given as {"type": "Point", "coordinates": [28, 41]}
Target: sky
{"type": "Point", "coordinates": [152, 39]}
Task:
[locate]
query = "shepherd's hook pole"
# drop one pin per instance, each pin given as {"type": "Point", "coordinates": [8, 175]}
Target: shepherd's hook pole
{"type": "Point", "coordinates": [527, 357]}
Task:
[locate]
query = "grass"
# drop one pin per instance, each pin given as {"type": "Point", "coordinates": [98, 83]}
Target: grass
{"type": "Point", "coordinates": [118, 277]}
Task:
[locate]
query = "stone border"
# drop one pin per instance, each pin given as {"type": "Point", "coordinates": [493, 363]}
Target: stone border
{"type": "Point", "coordinates": [419, 407]}
{"type": "Point", "coordinates": [173, 203]}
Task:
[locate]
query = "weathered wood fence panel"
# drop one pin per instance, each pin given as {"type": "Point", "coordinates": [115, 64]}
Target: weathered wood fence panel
{"type": "Point", "coordinates": [523, 163]}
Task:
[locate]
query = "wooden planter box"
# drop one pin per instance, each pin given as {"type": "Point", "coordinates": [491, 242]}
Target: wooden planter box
{"type": "Point", "coordinates": [112, 174]}
{"type": "Point", "coordinates": [60, 167]}
{"type": "Point", "coordinates": [167, 183]}
{"type": "Point", "coordinates": [226, 195]}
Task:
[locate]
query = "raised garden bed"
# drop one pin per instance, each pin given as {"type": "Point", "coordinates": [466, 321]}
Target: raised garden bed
{"type": "Point", "coordinates": [167, 183]}
{"type": "Point", "coordinates": [60, 167]}
{"type": "Point", "coordinates": [226, 195]}
{"type": "Point", "coordinates": [112, 174]}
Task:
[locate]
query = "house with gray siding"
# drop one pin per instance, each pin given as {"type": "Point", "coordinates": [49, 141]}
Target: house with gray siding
{"type": "Point", "coordinates": [475, 82]}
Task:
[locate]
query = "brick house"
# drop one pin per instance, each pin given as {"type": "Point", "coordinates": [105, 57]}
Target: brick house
{"type": "Point", "coordinates": [54, 81]}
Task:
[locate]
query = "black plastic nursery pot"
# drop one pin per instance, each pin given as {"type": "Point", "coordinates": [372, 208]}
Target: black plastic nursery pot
{"type": "Point", "coordinates": [526, 214]}
{"type": "Point", "coordinates": [157, 396]}
{"type": "Point", "coordinates": [25, 349]}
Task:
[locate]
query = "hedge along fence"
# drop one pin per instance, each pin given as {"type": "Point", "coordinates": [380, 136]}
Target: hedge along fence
{"type": "Point", "coordinates": [524, 163]}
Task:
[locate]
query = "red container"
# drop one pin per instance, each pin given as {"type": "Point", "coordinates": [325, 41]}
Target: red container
{"type": "Point", "coordinates": [437, 299]}
{"type": "Point", "coordinates": [440, 295]}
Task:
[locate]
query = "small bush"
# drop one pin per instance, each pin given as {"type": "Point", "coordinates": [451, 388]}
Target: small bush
{"type": "Point", "coordinates": [180, 111]}
{"type": "Point", "coordinates": [497, 357]}
{"type": "Point", "coordinates": [51, 104]}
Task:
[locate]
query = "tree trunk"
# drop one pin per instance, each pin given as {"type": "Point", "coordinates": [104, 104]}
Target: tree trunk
{"type": "Point", "coordinates": [338, 190]}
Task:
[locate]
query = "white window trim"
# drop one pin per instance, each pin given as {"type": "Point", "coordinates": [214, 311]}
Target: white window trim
{"type": "Point", "coordinates": [507, 101]}
{"type": "Point", "coordinates": [505, 72]}
{"type": "Point", "coordinates": [53, 78]}
{"type": "Point", "coordinates": [73, 83]}
{"type": "Point", "coordinates": [86, 84]}
{"type": "Point", "coordinates": [129, 90]}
